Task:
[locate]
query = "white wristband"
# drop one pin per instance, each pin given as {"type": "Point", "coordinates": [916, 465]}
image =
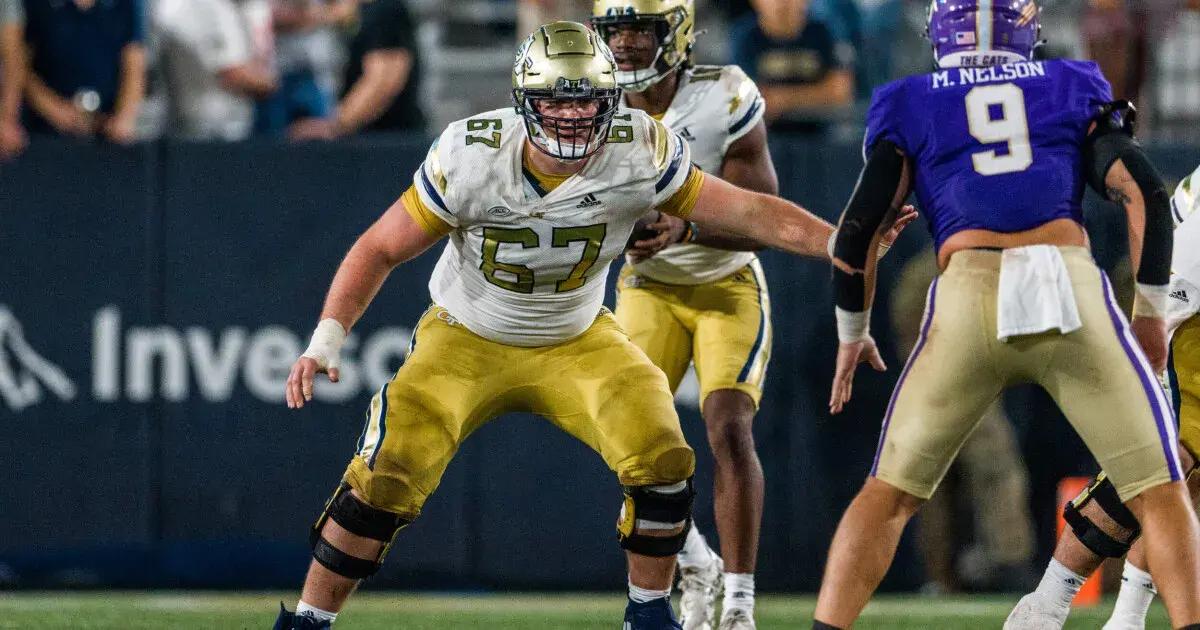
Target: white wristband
{"type": "Point", "coordinates": [853, 326]}
{"type": "Point", "coordinates": [830, 243]}
{"type": "Point", "coordinates": [326, 345]}
{"type": "Point", "coordinates": [1150, 301]}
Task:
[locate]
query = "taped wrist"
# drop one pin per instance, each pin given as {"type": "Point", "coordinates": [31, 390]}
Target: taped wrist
{"type": "Point", "coordinates": [1150, 301]}
{"type": "Point", "coordinates": [325, 347]}
{"type": "Point", "coordinates": [852, 326]}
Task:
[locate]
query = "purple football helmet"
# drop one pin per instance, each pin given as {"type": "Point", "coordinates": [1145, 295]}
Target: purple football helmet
{"type": "Point", "coordinates": [983, 32]}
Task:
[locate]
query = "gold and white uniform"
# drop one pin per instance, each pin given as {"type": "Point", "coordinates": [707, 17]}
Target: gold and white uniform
{"type": "Point", "coordinates": [517, 322]}
{"type": "Point", "coordinates": [712, 108]}
{"type": "Point", "coordinates": [517, 256]}
{"type": "Point", "coordinates": [692, 303]}
{"type": "Point", "coordinates": [1183, 304]}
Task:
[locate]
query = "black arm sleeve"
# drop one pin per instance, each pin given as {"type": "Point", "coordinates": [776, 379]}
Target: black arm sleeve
{"type": "Point", "coordinates": [868, 208]}
{"type": "Point", "coordinates": [1112, 141]}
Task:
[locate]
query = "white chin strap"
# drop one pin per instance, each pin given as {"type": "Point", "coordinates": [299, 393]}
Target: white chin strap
{"type": "Point", "coordinates": [978, 58]}
{"type": "Point", "coordinates": [574, 150]}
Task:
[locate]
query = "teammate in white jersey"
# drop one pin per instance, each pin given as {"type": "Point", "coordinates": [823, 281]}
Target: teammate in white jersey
{"type": "Point", "coordinates": [537, 202]}
{"type": "Point", "coordinates": [701, 301]}
{"type": "Point", "coordinates": [1100, 527]}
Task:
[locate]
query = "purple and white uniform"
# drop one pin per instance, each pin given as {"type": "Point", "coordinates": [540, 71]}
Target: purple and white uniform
{"type": "Point", "coordinates": [999, 148]}
{"type": "Point", "coordinates": [994, 148]}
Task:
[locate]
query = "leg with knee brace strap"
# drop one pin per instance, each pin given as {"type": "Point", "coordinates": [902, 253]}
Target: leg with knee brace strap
{"type": "Point", "coordinates": [1094, 537]}
{"type": "Point", "coordinates": [359, 519]}
{"type": "Point", "coordinates": [655, 519]}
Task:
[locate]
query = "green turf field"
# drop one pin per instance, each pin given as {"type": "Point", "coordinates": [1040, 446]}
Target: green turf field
{"type": "Point", "coordinates": [192, 611]}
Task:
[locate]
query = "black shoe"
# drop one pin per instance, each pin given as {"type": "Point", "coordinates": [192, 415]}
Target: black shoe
{"type": "Point", "coordinates": [291, 621]}
{"type": "Point", "coordinates": [654, 615]}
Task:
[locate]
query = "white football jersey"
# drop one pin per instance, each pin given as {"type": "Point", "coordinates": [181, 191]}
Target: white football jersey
{"type": "Point", "coordinates": [713, 107]}
{"type": "Point", "coordinates": [1184, 300]}
{"type": "Point", "coordinates": [524, 267]}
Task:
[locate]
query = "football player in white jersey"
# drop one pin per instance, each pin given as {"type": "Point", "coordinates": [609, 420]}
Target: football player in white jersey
{"type": "Point", "coordinates": [702, 301]}
{"type": "Point", "coordinates": [536, 200]}
{"type": "Point", "coordinates": [1100, 526]}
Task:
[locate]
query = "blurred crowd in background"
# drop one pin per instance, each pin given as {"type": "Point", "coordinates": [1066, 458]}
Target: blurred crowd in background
{"type": "Point", "coordinates": [127, 71]}
{"type": "Point", "coordinates": [131, 70]}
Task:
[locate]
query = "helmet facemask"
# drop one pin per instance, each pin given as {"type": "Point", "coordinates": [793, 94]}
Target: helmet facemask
{"type": "Point", "coordinates": [666, 28]}
{"type": "Point", "coordinates": [567, 138]}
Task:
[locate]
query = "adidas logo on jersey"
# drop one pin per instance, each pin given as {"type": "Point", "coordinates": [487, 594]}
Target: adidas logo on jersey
{"type": "Point", "coordinates": [589, 201]}
{"type": "Point", "coordinates": [687, 135]}
{"type": "Point", "coordinates": [1180, 295]}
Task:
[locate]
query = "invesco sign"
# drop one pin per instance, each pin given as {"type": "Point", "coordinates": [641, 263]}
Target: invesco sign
{"type": "Point", "coordinates": [140, 364]}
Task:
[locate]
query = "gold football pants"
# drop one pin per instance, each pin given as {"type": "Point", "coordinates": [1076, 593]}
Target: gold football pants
{"type": "Point", "coordinates": [1185, 368]}
{"type": "Point", "coordinates": [722, 326]}
{"type": "Point", "coordinates": [1097, 375]}
{"type": "Point", "coordinates": [598, 387]}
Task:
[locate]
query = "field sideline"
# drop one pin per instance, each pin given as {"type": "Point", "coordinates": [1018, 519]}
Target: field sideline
{"type": "Point", "coordinates": [376, 611]}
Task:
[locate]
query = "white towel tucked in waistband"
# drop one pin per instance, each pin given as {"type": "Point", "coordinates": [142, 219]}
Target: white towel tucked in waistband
{"type": "Point", "coordinates": [1035, 293]}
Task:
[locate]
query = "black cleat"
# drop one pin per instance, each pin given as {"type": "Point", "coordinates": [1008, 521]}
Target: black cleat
{"type": "Point", "coordinates": [291, 621]}
{"type": "Point", "coordinates": [654, 615]}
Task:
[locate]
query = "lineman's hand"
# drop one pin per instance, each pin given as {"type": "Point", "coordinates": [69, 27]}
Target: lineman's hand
{"type": "Point", "coordinates": [907, 215]}
{"type": "Point", "coordinates": [322, 356]}
{"type": "Point", "coordinates": [665, 231]}
{"type": "Point", "coordinates": [848, 358]}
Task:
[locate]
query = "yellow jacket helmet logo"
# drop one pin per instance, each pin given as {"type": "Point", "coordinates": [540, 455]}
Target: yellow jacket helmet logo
{"type": "Point", "coordinates": [674, 25]}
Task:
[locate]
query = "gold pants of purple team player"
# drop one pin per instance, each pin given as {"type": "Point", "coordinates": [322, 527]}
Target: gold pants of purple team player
{"type": "Point", "coordinates": [1097, 375]}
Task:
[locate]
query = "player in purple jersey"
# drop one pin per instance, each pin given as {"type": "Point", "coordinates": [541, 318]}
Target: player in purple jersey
{"type": "Point", "coordinates": [997, 148]}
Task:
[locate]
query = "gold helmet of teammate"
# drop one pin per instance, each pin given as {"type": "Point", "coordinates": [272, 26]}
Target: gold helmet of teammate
{"type": "Point", "coordinates": [566, 62]}
{"type": "Point", "coordinates": [671, 24]}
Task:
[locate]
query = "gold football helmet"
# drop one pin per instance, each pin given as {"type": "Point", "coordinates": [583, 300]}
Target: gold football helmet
{"type": "Point", "coordinates": [674, 25]}
{"type": "Point", "coordinates": [566, 61]}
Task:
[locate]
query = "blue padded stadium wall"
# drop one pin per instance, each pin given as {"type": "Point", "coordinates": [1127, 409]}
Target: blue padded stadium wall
{"type": "Point", "coordinates": [153, 298]}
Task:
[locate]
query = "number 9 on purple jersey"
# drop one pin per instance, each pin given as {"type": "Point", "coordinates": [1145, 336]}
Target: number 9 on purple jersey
{"type": "Point", "coordinates": [996, 147]}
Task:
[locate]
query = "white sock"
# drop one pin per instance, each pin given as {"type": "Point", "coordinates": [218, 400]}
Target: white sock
{"type": "Point", "coordinates": [644, 595]}
{"type": "Point", "coordinates": [315, 613]}
{"type": "Point", "coordinates": [1059, 585]}
{"type": "Point", "coordinates": [695, 550]}
{"type": "Point", "coordinates": [739, 592]}
{"type": "Point", "coordinates": [1137, 593]}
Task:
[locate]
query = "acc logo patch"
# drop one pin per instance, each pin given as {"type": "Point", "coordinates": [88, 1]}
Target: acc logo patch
{"type": "Point", "coordinates": [499, 211]}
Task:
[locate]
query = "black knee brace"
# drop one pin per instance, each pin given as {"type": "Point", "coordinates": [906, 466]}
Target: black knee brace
{"type": "Point", "coordinates": [359, 519]}
{"type": "Point", "coordinates": [655, 519]}
{"type": "Point", "coordinates": [1104, 494]}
